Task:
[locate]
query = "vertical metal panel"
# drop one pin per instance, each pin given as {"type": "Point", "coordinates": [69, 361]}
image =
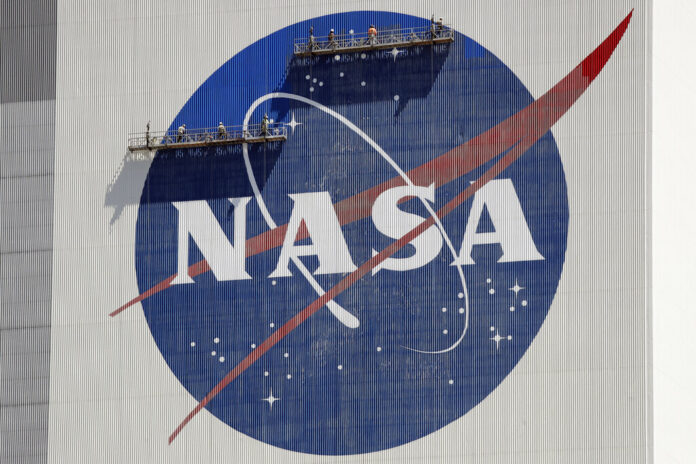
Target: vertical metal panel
{"type": "Point", "coordinates": [27, 130]}
{"type": "Point", "coordinates": [27, 47]}
{"type": "Point", "coordinates": [26, 242]}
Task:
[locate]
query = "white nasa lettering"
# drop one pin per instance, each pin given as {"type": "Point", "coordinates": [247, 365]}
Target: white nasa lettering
{"type": "Point", "coordinates": [511, 229]}
{"type": "Point", "coordinates": [395, 223]}
{"type": "Point", "coordinates": [227, 262]}
{"type": "Point", "coordinates": [328, 242]}
{"type": "Point", "coordinates": [197, 220]}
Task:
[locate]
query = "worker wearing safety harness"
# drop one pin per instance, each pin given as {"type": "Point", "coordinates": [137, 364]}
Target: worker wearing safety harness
{"type": "Point", "coordinates": [180, 133]}
{"type": "Point", "coordinates": [311, 38]}
{"type": "Point", "coordinates": [264, 125]}
{"type": "Point", "coordinates": [372, 33]}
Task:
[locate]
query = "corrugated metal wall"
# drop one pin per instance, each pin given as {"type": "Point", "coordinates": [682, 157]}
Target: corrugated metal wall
{"type": "Point", "coordinates": [27, 129]}
{"type": "Point", "coordinates": [76, 79]}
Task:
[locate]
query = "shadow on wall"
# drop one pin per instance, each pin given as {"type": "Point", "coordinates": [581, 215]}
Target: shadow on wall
{"type": "Point", "coordinates": [188, 174]}
{"type": "Point", "coordinates": [387, 75]}
{"type": "Point", "coordinates": [126, 186]}
{"type": "Point", "coordinates": [351, 79]}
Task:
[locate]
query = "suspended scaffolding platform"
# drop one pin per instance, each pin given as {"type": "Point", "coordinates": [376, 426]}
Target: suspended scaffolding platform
{"type": "Point", "coordinates": [394, 38]}
{"type": "Point", "coordinates": [207, 137]}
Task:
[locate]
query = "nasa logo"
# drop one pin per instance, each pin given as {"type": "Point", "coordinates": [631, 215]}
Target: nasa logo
{"type": "Point", "coordinates": [378, 274]}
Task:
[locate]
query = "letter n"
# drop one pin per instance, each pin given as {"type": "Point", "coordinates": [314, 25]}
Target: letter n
{"type": "Point", "coordinates": [196, 220]}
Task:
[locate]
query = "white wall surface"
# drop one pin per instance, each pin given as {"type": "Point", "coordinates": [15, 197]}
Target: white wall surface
{"type": "Point", "coordinates": [674, 231]}
{"type": "Point", "coordinates": [124, 409]}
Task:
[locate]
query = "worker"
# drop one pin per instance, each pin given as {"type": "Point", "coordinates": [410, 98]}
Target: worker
{"type": "Point", "coordinates": [311, 37]}
{"type": "Point", "coordinates": [332, 42]}
{"type": "Point", "coordinates": [372, 33]}
{"type": "Point", "coordinates": [180, 133]}
{"type": "Point", "coordinates": [432, 27]}
{"type": "Point", "coordinates": [222, 132]}
{"type": "Point", "coordinates": [147, 134]}
{"type": "Point", "coordinates": [440, 25]}
{"type": "Point", "coordinates": [264, 125]}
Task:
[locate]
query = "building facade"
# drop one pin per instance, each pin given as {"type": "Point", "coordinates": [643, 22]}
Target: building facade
{"type": "Point", "coordinates": [311, 232]}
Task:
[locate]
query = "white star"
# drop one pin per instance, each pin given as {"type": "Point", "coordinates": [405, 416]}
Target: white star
{"type": "Point", "coordinates": [293, 123]}
{"type": "Point", "coordinates": [271, 399]}
{"type": "Point", "coordinates": [497, 339]}
{"type": "Point", "coordinates": [516, 288]}
{"type": "Point", "coordinates": [395, 52]}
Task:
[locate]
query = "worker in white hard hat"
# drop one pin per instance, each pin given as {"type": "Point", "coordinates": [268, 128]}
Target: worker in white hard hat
{"type": "Point", "coordinates": [440, 25]}
{"type": "Point", "coordinates": [222, 132]}
{"type": "Point", "coordinates": [180, 133]}
{"type": "Point", "coordinates": [264, 125]}
{"type": "Point", "coordinates": [332, 36]}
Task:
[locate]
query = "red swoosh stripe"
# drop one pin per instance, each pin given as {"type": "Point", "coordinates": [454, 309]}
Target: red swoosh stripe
{"type": "Point", "coordinates": [534, 121]}
{"type": "Point", "coordinates": [449, 166]}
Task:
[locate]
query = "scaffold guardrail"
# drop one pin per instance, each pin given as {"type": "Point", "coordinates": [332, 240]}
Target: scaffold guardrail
{"type": "Point", "coordinates": [206, 137]}
{"type": "Point", "coordinates": [406, 37]}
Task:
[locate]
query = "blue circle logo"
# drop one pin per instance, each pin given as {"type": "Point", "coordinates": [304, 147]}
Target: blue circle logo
{"type": "Point", "coordinates": [373, 276]}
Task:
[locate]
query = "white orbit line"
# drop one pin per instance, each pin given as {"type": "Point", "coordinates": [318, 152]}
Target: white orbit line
{"type": "Point", "coordinates": [346, 318]}
{"type": "Point", "coordinates": [392, 163]}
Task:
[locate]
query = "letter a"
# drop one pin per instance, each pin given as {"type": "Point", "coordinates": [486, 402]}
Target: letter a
{"type": "Point", "coordinates": [511, 229]}
{"type": "Point", "coordinates": [328, 243]}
